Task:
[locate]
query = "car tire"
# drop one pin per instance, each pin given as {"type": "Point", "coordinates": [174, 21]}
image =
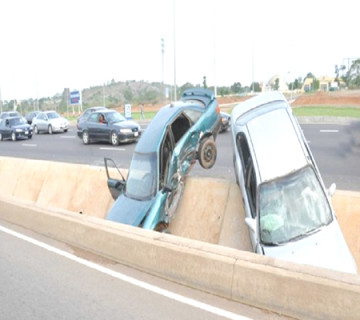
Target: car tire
{"type": "Point", "coordinates": [1, 137]}
{"type": "Point", "coordinates": [207, 153]}
{"type": "Point", "coordinates": [114, 138]}
{"type": "Point", "coordinates": [13, 136]}
{"type": "Point", "coordinates": [50, 129]}
{"type": "Point", "coordinates": [65, 130]}
{"type": "Point", "coordinates": [30, 136]}
{"type": "Point", "coordinates": [85, 137]}
{"type": "Point", "coordinates": [36, 130]}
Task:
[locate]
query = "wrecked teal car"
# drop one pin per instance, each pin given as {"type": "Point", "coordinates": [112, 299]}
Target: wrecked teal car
{"type": "Point", "coordinates": [180, 134]}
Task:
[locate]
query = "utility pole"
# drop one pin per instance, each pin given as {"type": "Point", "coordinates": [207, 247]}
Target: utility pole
{"type": "Point", "coordinates": [175, 98]}
{"type": "Point", "coordinates": [162, 66]}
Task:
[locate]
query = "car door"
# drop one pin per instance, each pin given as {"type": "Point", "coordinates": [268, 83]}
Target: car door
{"type": "Point", "coordinates": [42, 122]}
{"type": "Point", "coordinates": [104, 128]}
{"type": "Point", "coordinates": [92, 126]}
{"type": "Point", "coordinates": [5, 128]}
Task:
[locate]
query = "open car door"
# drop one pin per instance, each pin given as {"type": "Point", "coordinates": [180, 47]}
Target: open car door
{"type": "Point", "coordinates": [115, 185]}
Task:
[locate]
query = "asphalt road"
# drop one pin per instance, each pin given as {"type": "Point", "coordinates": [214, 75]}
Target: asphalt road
{"type": "Point", "coordinates": [332, 145]}
{"type": "Point", "coordinates": [44, 279]}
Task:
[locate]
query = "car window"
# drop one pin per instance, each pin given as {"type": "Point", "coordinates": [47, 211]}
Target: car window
{"type": "Point", "coordinates": [180, 126]}
{"type": "Point", "coordinates": [17, 121]}
{"type": "Point", "coordinates": [142, 177]}
{"type": "Point", "coordinates": [244, 152]}
{"type": "Point", "coordinates": [292, 207]}
{"type": "Point", "coordinates": [53, 115]}
{"type": "Point", "coordinates": [250, 186]}
{"type": "Point", "coordinates": [194, 115]}
{"type": "Point", "coordinates": [113, 117]}
{"type": "Point", "coordinates": [93, 117]}
{"type": "Point", "coordinates": [165, 156]}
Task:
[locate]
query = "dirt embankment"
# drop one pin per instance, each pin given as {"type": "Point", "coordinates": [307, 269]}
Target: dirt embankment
{"type": "Point", "coordinates": [339, 98]}
{"type": "Point", "coordinates": [350, 98]}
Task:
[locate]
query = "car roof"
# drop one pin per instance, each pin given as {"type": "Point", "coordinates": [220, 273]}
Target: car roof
{"type": "Point", "coordinates": [255, 102]}
{"type": "Point", "coordinates": [275, 137]}
{"type": "Point", "coordinates": [151, 138]}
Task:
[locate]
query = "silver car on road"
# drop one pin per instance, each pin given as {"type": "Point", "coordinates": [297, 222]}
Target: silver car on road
{"type": "Point", "coordinates": [50, 121]}
{"type": "Point", "coordinates": [288, 211]}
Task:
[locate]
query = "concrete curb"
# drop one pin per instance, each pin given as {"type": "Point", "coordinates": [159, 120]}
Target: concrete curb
{"type": "Point", "coordinates": [295, 290]}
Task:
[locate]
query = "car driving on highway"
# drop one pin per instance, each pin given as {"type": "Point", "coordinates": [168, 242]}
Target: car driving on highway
{"type": "Point", "coordinates": [288, 210]}
{"type": "Point", "coordinates": [8, 114]}
{"type": "Point", "coordinates": [179, 134]}
{"type": "Point", "coordinates": [15, 128]}
{"type": "Point", "coordinates": [108, 126]}
{"type": "Point", "coordinates": [50, 121]}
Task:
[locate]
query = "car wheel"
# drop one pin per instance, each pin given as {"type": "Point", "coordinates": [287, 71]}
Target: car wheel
{"type": "Point", "coordinates": [1, 137]}
{"type": "Point", "coordinates": [85, 137]}
{"type": "Point", "coordinates": [207, 153]}
{"type": "Point", "coordinates": [36, 130]}
{"type": "Point", "coordinates": [50, 129]}
{"type": "Point", "coordinates": [30, 136]}
{"type": "Point", "coordinates": [13, 136]}
{"type": "Point", "coordinates": [162, 227]}
{"type": "Point", "coordinates": [65, 130]}
{"type": "Point", "coordinates": [114, 138]}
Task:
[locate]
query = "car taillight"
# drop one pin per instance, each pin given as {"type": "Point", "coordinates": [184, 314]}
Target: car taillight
{"type": "Point", "coordinates": [217, 109]}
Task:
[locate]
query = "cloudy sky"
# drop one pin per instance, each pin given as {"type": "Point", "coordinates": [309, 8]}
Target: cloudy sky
{"type": "Point", "coordinates": [49, 45]}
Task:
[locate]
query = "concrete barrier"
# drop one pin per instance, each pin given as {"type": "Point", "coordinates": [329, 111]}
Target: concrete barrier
{"type": "Point", "coordinates": [295, 290]}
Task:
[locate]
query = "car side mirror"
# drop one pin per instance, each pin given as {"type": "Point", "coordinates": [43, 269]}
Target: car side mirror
{"type": "Point", "coordinates": [332, 190]}
{"type": "Point", "coordinates": [251, 223]}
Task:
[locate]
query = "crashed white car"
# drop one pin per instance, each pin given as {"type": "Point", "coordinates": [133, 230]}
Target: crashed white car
{"type": "Point", "coordinates": [288, 211]}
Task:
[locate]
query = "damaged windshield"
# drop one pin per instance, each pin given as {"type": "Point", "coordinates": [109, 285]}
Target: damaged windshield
{"type": "Point", "coordinates": [292, 207]}
{"type": "Point", "coordinates": [141, 181]}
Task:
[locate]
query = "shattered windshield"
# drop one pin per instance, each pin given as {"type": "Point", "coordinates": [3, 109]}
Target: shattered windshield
{"type": "Point", "coordinates": [292, 207]}
{"type": "Point", "coordinates": [141, 181]}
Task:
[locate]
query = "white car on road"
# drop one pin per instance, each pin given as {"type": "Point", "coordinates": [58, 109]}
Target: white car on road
{"type": "Point", "coordinates": [50, 121]}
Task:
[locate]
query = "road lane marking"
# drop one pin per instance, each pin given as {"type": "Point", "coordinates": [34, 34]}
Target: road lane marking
{"type": "Point", "coordinates": [138, 283]}
{"type": "Point", "coordinates": [112, 149]}
{"type": "Point", "coordinates": [329, 131]}
{"type": "Point", "coordinates": [29, 145]}
{"type": "Point", "coordinates": [67, 137]}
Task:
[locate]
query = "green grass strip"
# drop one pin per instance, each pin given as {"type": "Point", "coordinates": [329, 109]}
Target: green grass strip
{"type": "Point", "coordinates": [327, 111]}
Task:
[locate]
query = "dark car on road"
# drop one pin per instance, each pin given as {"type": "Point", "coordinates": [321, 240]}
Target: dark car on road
{"type": "Point", "coordinates": [8, 114]}
{"type": "Point", "coordinates": [15, 128]}
{"type": "Point", "coordinates": [225, 121]}
{"type": "Point", "coordinates": [30, 116]}
{"type": "Point", "coordinates": [179, 134]}
{"type": "Point", "coordinates": [107, 125]}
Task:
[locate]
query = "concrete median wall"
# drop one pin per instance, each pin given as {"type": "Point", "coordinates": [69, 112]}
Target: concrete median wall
{"type": "Point", "coordinates": [291, 289]}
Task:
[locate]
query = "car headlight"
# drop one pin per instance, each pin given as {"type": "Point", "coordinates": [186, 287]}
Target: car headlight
{"type": "Point", "coordinates": [19, 130]}
{"type": "Point", "coordinates": [125, 130]}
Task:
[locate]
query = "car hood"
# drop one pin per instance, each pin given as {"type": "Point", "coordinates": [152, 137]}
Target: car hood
{"type": "Point", "coordinates": [21, 126]}
{"type": "Point", "coordinates": [125, 124]}
{"type": "Point", "coordinates": [58, 121]}
{"type": "Point", "coordinates": [129, 211]}
{"type": "Point", "coordinates": [326, 249]}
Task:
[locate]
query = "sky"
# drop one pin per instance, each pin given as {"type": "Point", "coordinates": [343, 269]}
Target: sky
{"type": "Point", "coordinates": [47, 46]}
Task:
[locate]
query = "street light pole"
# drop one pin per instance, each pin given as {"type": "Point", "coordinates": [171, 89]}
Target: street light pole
{"type": "Point", "coordinates": [175, 98]}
